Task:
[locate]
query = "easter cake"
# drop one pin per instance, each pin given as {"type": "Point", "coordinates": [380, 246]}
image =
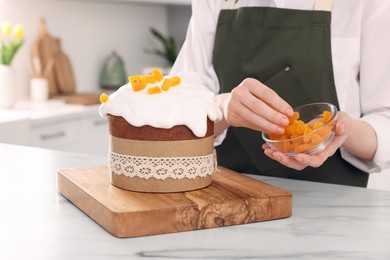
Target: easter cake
{"type": "Point", "coordinates": [161, 134]}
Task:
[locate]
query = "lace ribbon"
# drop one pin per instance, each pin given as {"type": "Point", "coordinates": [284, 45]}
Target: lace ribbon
{"type": "Point", "coordinates": [162, 167]}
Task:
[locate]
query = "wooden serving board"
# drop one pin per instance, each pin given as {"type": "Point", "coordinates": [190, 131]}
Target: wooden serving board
{"type": "Point", "coordinates": [231, 199]}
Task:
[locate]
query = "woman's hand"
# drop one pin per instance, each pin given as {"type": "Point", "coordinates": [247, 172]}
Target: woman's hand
{"type": "Point", "coordinates": [256, 106]}
{"type": "Point", "coordinates": [344, 127]}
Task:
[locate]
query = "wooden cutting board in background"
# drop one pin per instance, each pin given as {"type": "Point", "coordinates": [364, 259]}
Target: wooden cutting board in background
{"type": "Point", "coordinates": [231, 199]}
{"type": "Point", "coordinates": [44, 49]}
{"type": "Point", "coordinates": [56, 66]}
{"type": "Point", "coordinates": [63, 72]}
{"type": "Point", "coordinates": [80, 98]}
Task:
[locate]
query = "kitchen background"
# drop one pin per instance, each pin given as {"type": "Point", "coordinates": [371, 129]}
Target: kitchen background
{"type": "Point", "coordinates": [90, 30]}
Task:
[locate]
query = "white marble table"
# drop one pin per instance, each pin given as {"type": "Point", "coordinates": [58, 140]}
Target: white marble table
{"type": "Point", "coordinates": [328, 222]}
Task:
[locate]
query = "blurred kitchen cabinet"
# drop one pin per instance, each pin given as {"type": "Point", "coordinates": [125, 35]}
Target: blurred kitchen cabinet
{"type": "Point", "coordinates": [56, 135]}
{"type": "Point", "coordinates": [72, 128]}
{"type": "Point", "coordinates": [80, 131]}
{"type": "Point", "coordinates": [84, 133]}
{"type": "Point", "coordinates": [14, 131]}
{"type": "Point", "coordinates": [94, 135]}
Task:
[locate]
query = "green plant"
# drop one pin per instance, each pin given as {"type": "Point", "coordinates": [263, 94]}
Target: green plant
{"type": "Point", "coordinates": [10, 44]}
{"type": "Point", "coordinates": [170, 51]}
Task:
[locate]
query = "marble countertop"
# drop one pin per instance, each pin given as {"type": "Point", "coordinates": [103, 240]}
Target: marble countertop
{"type": "Point", "coordinates": [43, 112]}
{"type": "Point", "coordinates": [328, 221]}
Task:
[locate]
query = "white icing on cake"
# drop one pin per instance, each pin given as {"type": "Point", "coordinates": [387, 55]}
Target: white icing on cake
{"type": "Point", "coordinates": [185, 104]}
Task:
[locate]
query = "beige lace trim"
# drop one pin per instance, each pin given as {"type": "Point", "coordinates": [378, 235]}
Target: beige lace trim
{"type": "Point", "coordinates": [162, 167]}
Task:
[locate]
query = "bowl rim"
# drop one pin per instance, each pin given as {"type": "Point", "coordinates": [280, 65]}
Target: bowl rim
{"type": "Point", "coordinates": [333, 109]}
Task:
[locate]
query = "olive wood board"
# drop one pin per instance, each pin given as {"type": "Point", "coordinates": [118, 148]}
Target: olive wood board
{"type": "Point", "coordinates": [231, 199]}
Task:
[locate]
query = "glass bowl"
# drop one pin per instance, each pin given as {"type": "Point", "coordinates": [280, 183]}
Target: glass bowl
{"type": "Point", "coordinates": [309, 134]}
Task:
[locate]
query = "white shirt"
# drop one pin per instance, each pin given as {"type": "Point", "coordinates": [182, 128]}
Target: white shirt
{"type": "Point", "coordinates": [360, 38]}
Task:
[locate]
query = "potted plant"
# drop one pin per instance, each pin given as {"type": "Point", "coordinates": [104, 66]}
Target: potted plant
{"type": "Point", "coordinates": [11, 39]}
{"type": "Point", "coordinates": [169, 52]}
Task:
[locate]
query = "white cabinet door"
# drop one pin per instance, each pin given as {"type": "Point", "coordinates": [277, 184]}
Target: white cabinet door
{"type": "Point", "coordinates": [66, 128]}
{"type": "Point", "coordinates": [64, 135]}
{"type": "Point", "coordinates": [94, 135]}
{"type": "Point", "coordinates": [15, 132]}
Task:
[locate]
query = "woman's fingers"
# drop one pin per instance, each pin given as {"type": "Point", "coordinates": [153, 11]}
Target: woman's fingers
{"type": "Point", "coordinates": [268, 96]}
{"type": "Point", "coordinates": [290, 162]}
{"type": "Point", "coordinates": [245, 117]}
{"type": "Point", "coordinates": [254, 105]}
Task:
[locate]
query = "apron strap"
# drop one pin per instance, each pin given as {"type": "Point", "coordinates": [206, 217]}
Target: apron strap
{"type": "Point", "coordinates": [323, 5]}
{"type": "Point", "coordinates": [320, 5]}
{"type": "Point", "coordinates": [229, 4]}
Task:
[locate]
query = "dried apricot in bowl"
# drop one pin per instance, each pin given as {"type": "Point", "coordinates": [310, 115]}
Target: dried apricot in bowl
{"type": "Point", "coordinates": [309, 131]}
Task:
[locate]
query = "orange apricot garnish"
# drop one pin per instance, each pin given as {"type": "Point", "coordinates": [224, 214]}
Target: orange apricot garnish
{"type": "Point", "coordinates": [157, 74]}
{"type": "Point", "coordinates": [174, 81]}
{"type": "Point", "coordinates": [166, 85]}
{"type": "Point", "coordinates": [294, 117]}
{"type": "Point", "coordinates": [154, 90]}
{"type": "Point", "coordinates": [139, 82]}
{"type": "Point", "coordinates": [103, 98]}
{"type": "Point", "coordinates": [297, 128]}
{"type": "Point", "coordinates": [131, 78]}
{"type": "Point", "coordinates": [148, 79]}
{"type": "Point", "coordinates": [326, 116]}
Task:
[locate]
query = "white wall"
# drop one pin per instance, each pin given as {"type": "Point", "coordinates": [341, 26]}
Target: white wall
{"type": "Point", "coordinates": [178, 18]}
{"type": "Point", "coordinates": [89, 31]}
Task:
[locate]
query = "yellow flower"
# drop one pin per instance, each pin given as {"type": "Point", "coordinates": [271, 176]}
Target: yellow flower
{"type": "Point", "coordinates": [18, 31]}
{"type": "Point", "coordinates": [9, 46]}
{"type": "Point", "coordinates": [6, 28]}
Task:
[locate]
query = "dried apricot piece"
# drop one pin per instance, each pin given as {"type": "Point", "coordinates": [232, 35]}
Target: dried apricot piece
{"type": "Point", "coordinates": [294, 117]}
{"type": "Point", "coordinates": [290, 130]}
{"type": "Point", "coordinates": [157, 74]}
{"type": "Point", "coordinates": [303, 148]}
{"type": "Point", "coordinates": [326, 116]}
{"type": "Point", "coordinates": [315, 138]}
{"type": "Point", "coordinates": [103, 98]}
{"type": "Point", "coordinates": [325, 131]}
{"type": "Point", "coordinates": [154, 90]}
{"type": "Point", "coordinates": [131, 78]}
{"type": "Point", "coordinates": [166, 85]}
{"type": "Point", "coordinates": [174, 81]}
{"type": "Point", "coordinates": [286, 146]}
{"type": "Point", "coordinates": [297, 128]}
{"type": "Point", "coordinates": [148, 79]}
{"type": "Point", "coordinates": [297, 141]}
{"type": "Point", "coordinates": [317, 125]}
{"type": "Point", "coordinates": [306, 137]}
{"type": "Point", "coordinates": [137, 84]}
{"type": "Point", "coordinates": [300, 127]}
{"type": "Point", "coordinates": [276, 136]}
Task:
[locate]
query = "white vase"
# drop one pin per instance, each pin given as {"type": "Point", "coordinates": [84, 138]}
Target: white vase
{"type": "Point", "coordinates": [7, 86]}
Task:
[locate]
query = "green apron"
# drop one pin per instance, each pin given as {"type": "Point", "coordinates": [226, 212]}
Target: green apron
{"type": "Point", "coordinates": [290, 52]}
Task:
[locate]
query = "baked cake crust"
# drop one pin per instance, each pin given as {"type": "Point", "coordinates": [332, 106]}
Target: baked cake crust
{"type": "Point", "coordinates": [119, 127]}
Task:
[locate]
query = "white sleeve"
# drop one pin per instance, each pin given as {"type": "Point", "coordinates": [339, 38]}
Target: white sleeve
{"type": "Point", "coordinates": [194, 62]}
{"type": "Point", "coordinates": [375, 81]}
